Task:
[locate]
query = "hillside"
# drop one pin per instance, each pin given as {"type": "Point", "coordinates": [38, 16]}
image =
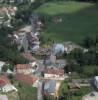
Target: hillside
{"type": "Point", "coordinates": [78, 20]}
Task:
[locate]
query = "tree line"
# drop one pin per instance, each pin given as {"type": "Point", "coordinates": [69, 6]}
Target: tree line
{"type": "Point", "coordinates": [9, 52]}
{"type": "Point", "coordinates": [78, 60]}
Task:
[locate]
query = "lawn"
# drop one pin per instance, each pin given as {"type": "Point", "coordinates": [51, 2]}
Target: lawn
{"type": "Point", "coordinates": [75, 95]}
{"type": "Point", "coordinates": [93, 71]}
{"type": "Point", "coordinates": [13, 96]}
{"type": "Point", "coordinates": [78, 20]}
{"type": "Point", "coordinates": [26, 92]}
{"type": "Point", "coordinates": [80, 93]}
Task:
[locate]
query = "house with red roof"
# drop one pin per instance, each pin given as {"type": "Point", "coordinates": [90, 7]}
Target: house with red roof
{"type": "Point", "coordinates": [5, 85]}
{"type": "Point", "coordinates": [28, 56]}
{"type": "Point", "coordinates": [3, 80]}
{"type": "Point", "coordinates": [50, 73]}
{"type": "Point", "coordinates": [27, 79]}
{"type": "Point", "coordinates": [23, 69]}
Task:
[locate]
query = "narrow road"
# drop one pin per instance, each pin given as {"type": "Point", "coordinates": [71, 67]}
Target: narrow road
{"type": "Point", "coordinates": [39, 95]}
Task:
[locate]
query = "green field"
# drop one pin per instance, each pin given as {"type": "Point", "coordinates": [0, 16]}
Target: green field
{"type": "Point", "coordinates": [78, 20]}
{"type": "Point", "coordinates": [76, 95]}
{"type": "Point", "coordinates": [26, 92]}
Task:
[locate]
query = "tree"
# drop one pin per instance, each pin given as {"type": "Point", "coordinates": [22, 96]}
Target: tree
{"type": "Point", "coordinates": [9, 52]}
{"type": "Point", "coordinates": [49, 97]}
{"type": "Point", "coordinates": [63, 91]}
{"type": "Point", "coordinates": [10, 76]}
{"type": "Point", "coordinates": [89, 42]}
{"type": "Point", "coordinates": [4, 68]}
{"type": "Point", "coordinates": [95, 72]}
{"type": "Point", "coordinates": [10, 66]}
{"type": "Point", "coordinates": [19, 85]}
{"type": "Point", "coordinates": [90, 57]}
{"type": "Point", "coordinates": [77, 55]}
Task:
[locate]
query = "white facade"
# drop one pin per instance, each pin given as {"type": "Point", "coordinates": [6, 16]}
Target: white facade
{"type": "Point", "coordinates": [69, 46]}
{"type": "Point", "coordinates": [24, 71]}
{"type": "Point", "coordinates": [1, 65]}
{"type": "Point", "coordinates": [50, 75]}
{"type": "Point", "coordinates": [26, 29]}
{"type": "Point", "coordinates": [9, 71]}
{"type": "Point", "coordinates": [58, 48]}
{"type": "Point", "coordinates": [54, 76]}
{"type": "Point", "coordinates": [96, 81]}
{"type": "Point", "coordinates": [36, 83]}
{"type": "Point", "coordinates": [22, 40]}
{"type": "Point", "coordinates": [16, 1]}
{"type": "Point", "coordinates": [8, 88]}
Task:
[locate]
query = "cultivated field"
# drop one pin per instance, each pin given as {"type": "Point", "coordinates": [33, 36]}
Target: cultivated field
{"type": "Point", "coordinates": [78, 20]}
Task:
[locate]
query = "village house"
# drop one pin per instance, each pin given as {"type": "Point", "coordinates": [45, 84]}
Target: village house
{"type": "Point", "coordinates": [25, 29]}
{"type": "Point", "coordinates": [28, 56]}
{"type": "Point", "coordinates": [56, 74]}
{"type": "Point", "coordinates": [5, 85]}
{"type": "Point", "coordinates": [70, 46]}
{"type": "Point", "coordinates": [25, 68]}
{"type": "Point", "coordinates": [58, 48]}
{"type": "Point", "coordinates": [9, 13]}
{"type": "Point", "coordinates": [52, 62]}
{"type": "Point", "coordinates": [19, 37]}
{"type": "Point", "coordinates": [27, 79]}
{"type": "Point", "coordinates": [9, 72]}
{"type": "Point", "coordinates": [2, 16]}
{"type": "Point", "coordinates": [43, 51]}
{"type": "Point", "coordinates": [51, 87]}
{"type": "Point", "coordinates": [16, 1]}
{"type": "Point", "coordinates": [33, 41]}
{"type": "Point", "coordinates": [7, 1]}
{"type": "Point", "coordinates": [25, 38]}
{"type": "Point", "coordinates": [28, 36]}
{"type": "Point", "coordinates": [73, 86]}
{"type": "Point", "coordinates": [1, 65]}
{"type": "Point", "coordinates": [96, 81]}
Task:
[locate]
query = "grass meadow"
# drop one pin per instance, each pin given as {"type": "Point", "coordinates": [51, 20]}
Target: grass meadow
{"type": "Point", "coordinates": [79, 19]}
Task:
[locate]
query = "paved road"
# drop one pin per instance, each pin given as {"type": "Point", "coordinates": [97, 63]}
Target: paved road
{"type": "Point", "coordinates": [39, 95]}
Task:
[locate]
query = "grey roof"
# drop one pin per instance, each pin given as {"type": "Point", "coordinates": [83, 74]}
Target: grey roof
{"type": "Point", "coordinates": [61, 63]}
{"type": "Point", "coordinates": [58, 64]}
{"type": "Point", "coordinates": [96, 78]}
{"type": "Point", "coordinates": [58, 48]}
{"type": "Point", "coordinates": [49, 86]}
